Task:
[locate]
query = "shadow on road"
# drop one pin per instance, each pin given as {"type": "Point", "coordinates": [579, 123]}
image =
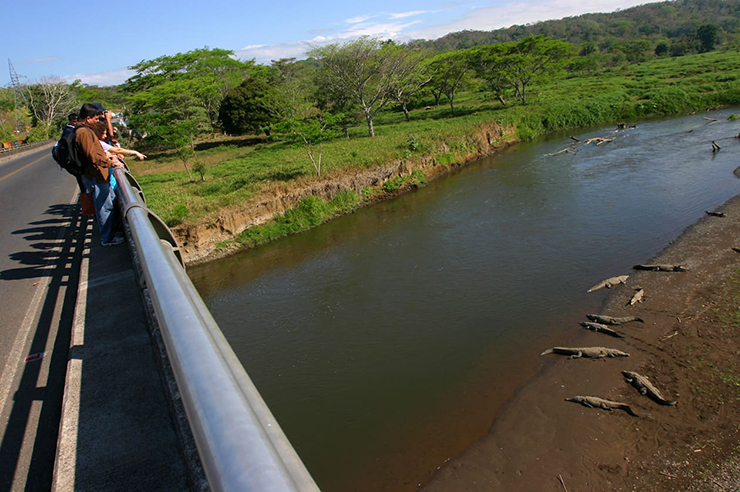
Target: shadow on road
{"type": "Point", "coordinates": [55, 249]}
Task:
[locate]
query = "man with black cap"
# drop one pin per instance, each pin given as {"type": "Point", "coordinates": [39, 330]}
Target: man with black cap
{"type": "Point", "coordinates": [97, 167]}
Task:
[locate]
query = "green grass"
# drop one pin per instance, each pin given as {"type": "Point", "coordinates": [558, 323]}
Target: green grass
{"type": "Point", "coordinates": [310, 212]}
{"type": "Point", "coordinates": [236, 172]}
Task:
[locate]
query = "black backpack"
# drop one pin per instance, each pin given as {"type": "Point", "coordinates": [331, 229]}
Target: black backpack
{"type": "Point", "coordinates": [65, 153]}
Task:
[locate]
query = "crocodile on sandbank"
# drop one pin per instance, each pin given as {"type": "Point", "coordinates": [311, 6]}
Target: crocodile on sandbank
{"type": "Point", "coordinates": [638, 297]}
{"type": "Point", "coordinates": [611, 320]}
{"type": "Point", "coordinates": [590, 352]}
{"type": "Point", "coordinates": [596, 402]}
{"type": "Point", "coordinates": [646, 388]}
{"type": "Point", "coordinates": [600, 328]}
{"type": "Point", "coordinates": [609, 283]}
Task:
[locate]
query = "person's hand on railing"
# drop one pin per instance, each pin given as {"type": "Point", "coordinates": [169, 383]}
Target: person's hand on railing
{"type": "Point", "coordinates": [116, 162]}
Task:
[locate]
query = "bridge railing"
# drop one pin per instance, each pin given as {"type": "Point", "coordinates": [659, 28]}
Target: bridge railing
{"type": "Point", "coordinates": [241, 445]}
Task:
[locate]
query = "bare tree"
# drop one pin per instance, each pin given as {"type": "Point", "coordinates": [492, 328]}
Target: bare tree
{"type": "Point", "coordinates": [365, 68]}
{"type": "Point", "coordinates": [50, 98]}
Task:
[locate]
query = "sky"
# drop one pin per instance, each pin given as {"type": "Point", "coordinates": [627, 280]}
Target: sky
{"type": "Point", "coordinates": [44, 39]}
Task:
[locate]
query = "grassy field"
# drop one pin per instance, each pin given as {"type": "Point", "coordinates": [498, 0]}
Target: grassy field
{"type": "Point", "coordinates": [236, 169]}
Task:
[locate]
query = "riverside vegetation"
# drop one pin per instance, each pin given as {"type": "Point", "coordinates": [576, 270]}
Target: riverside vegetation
{"type": "Point", "coordinates": [236, 170]}
{"type": "Point", "coordinates": [377, 117]}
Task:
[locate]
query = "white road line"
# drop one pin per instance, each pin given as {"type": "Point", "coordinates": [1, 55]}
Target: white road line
{"type": "Point", "coordinates": [65, 463]}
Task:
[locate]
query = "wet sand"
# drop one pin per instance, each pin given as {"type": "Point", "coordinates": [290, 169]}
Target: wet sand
{"type": "Point", "coordinates": [688, 347]}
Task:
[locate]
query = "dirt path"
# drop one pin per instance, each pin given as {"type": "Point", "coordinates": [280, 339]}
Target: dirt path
{"type": "Point", "coordinates": [689, 347]}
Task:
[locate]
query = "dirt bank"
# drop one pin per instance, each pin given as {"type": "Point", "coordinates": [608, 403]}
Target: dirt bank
{"type": "Point", "coordinates": [688, 347]}
{"type": "Point", "coordinates": [202, 241]}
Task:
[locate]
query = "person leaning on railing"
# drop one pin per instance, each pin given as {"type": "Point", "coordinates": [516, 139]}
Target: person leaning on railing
{"type": "Point", "coordinates": [101, 131]}
{"type": "Point", "coordinates": [95, 175]}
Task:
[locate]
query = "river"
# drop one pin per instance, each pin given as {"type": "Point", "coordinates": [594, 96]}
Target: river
{"type": "Point", "coordinates": [386, 341]}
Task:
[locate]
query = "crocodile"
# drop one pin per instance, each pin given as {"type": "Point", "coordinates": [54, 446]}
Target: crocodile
{"type": "Point", "coordinates": [646, 388]}
{"type": "Point", "coordinates": [596, 402]}
{"type": "Point", "coordinates": [598, 327]}
{"type": "Point", "coordinates": [638, 297]}
{"type": "Point", "coordinates": [590, 352]}
{"type": "Point", "coordinates": [609, 283]}
{"type": "Point", "coordinates": [716, 214]}
{"type": "Point", "coordinates": [610, 320]}
{"type": "Point", "coordinates": [661, 268]}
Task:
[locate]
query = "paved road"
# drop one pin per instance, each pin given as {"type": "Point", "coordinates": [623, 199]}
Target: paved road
{"type": "Point", "coordinates": [39, 268]}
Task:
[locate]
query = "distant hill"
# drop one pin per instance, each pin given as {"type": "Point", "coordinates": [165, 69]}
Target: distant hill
{"type": "Point", "coordinates": [669, 22]}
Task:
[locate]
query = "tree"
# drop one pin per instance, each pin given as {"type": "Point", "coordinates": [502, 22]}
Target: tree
{"type": "Point", "coordinates": [176, 98]}
{"type": "Point", "coordinates": [449, 71]}
{"type": "Point", "coordinates": [707, 37]}
{"type": "Point", "coordinates": [410, 78]}
{"type": "Point", "coordinates": [365, 69]}
{"type": "Point", "coordinates": [7, 114]}
{"type": "Point", "coordinates": [251, 107]}
{"type": "Point", "coordinates": [534, 58]}
{"type": "Point", "coordinates": [208, 74]}
{"type": "Point", "coordinates": [330, 99]}
{"type": "Point", "coordinates": [172, 115]}
{"type": "Point", "coordinates": [661, 49]}
{"type": "Point", "coordinates": [634, 50]}
{"type": "Point", "coordinates": [294, 82]}
{"type": "Point", "coordinates": [49, 100]}
{"type": "Point", "coordinates": [492, 66]}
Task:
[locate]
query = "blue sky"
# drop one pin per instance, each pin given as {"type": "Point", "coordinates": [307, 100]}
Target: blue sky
{"type": "Point", "coordinates": [65, 39]}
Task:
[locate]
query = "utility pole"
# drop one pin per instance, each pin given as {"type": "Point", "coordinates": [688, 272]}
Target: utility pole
{"type": "Point", "coordinates": [18, 95]}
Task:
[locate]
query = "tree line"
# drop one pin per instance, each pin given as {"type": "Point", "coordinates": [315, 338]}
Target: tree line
{"type": "Point", "coordinates": [174, 100]}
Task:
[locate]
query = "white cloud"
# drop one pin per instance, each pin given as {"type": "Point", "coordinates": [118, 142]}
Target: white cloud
{"type": "Point", "coordinates": [522, 12]}
{"type": "Point", "coordinates": [358, 19]}
{"type": "Point", "coordinates": [381, 30]}
{"type": "Point", "coordinates": [113, 77]}
{"type": "Point", "coordinates": [402, 15]}
{"type": "Point", "coordinates": [265, 53]}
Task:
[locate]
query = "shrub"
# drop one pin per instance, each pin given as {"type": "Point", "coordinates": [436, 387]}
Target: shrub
{"type": "Point", "coordinates": [444, 158]}
{"type": "Point", "coordinates": [177, 215]}
{"type": "Point", "coordinates": [345, 201]}
{"type": "Point", "coordinates": [393, 184]}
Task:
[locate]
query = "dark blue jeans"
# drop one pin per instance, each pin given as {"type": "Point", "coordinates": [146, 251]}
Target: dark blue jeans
{"type": "Point", "coordinates": [105, 208]}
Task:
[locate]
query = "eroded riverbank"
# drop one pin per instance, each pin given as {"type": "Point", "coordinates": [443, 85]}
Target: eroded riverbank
{"type": "Point", "coordinates": [209, 240]}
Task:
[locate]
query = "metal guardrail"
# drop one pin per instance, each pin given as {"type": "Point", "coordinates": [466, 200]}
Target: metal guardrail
{"type": "Point", "coordinates": [240, 443]}
{"type": "Point", "coordinates": [25, 146]}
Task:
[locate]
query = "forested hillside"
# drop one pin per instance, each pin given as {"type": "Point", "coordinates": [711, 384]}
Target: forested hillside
{"type": "Point", "coordinates": [670, 22]}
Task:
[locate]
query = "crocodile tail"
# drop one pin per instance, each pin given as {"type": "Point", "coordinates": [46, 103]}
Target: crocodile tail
{"type": "Point", "coordinates": [629, 410]}
{"type": "Point", "coordinates": [548, 351]}
{"type": "Point", "coordinates": [668, 403]}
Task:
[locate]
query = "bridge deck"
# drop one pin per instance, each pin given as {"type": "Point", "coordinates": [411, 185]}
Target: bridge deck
{"type": "Point", "coordinates": [116, 431]}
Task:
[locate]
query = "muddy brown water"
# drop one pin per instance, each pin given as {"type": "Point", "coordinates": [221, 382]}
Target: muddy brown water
{"type": "Point", "coordinates": [387, 341]}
